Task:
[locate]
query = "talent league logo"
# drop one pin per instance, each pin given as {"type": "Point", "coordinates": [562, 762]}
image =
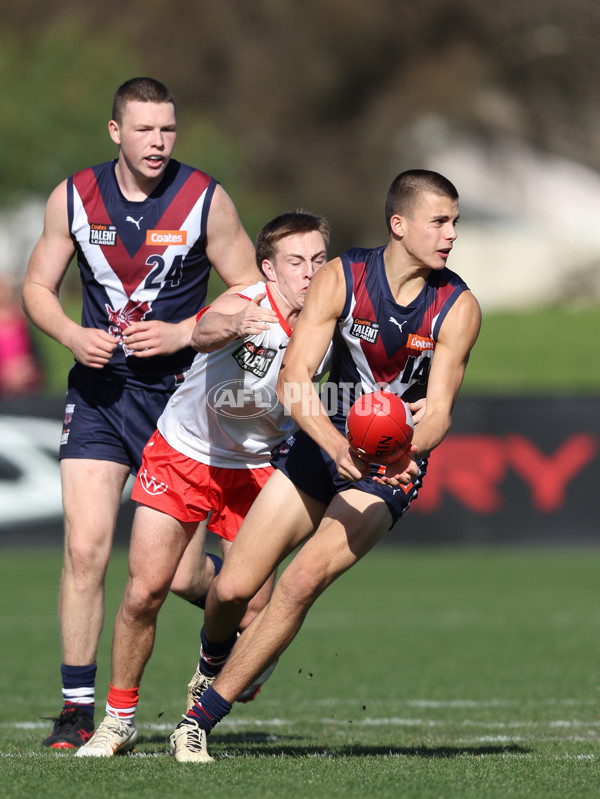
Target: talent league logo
{"type": "Point", "coordinates": [234, 399]}
{"type": "Point", "coordinates": [365, 329]}
{"type": "Point", "coordinates": [103, 235]}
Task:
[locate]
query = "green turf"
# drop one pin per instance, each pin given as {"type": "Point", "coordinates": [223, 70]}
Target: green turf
{"type": "Point", "coordinates": [442, 673]}
{"type": "Point", "coordinates": [537, 352]}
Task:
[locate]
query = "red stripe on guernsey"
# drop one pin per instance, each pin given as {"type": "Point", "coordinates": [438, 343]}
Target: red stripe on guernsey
{"type": "Point", "coordinates": [174, 217]}
{"type": "Point", "coordinates": [383, 366]}
{"type": "Point", "coordinates": [387, 356]}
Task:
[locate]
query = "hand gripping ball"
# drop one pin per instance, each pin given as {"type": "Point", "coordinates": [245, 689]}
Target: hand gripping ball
{"type": "Point", "coordinates": [379, 427]}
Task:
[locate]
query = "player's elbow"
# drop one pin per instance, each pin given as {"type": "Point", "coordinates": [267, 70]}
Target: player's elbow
{"type": "Point", "coordinates": [29, 292]}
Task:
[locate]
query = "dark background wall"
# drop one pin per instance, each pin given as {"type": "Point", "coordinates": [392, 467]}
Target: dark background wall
{"type": "Point", "coordinates": [512, 471]}
{"type": "Point", "coordinates": [518, 471]}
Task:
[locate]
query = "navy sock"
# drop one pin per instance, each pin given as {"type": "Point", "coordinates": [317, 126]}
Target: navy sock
{"type": "Point", "coordinates": [214, 654]}
{"type": "Point", "coordinates": [210, 709]}
{"type": "Point", "coordinates": [79, 685]}
{"type": "Point", "coordinates": [217, 563]}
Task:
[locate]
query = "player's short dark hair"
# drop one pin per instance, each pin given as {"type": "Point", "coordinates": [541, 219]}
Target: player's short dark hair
{"type": "Point", "coordinates": [407, 187]}
{"type": "Point", "coordinates": [144, 90]}
{"type": "Point", "coordinates": [288, 224]}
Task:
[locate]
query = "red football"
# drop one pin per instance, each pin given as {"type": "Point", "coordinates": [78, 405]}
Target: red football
{"type": "Point", "coordinates": [379, 427]}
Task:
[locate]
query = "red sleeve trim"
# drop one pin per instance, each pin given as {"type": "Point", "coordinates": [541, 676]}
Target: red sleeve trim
{"type": "Point", "coordinates": [201, 313]}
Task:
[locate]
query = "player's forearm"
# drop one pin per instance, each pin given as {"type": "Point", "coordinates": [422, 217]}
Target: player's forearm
{"type": "Point", "coordinates": [43, 308]}
{"type": "Point", "coordinates": [431, 431]}
{"type": "Point", "coordinates": [212, 331]}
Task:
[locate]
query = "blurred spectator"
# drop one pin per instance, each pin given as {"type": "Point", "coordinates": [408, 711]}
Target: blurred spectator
{"type": "Point", "coordinates": [19, 371]}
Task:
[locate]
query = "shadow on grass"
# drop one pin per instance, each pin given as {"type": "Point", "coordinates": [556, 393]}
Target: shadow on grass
{"type": "Point", "coordinates": [269, 745]}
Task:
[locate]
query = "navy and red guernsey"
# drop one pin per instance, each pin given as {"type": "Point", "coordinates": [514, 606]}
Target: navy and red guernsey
{"type": "Point", "coordinates": [380, 344]}
{"type": "Point", "coordinates": [140, 260]}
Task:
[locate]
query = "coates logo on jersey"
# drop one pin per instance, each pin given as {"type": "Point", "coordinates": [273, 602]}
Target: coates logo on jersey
{"type": "Point", "coordinates": [122, 318]}
{"type": "Point", "coordinates": [150, 484]}
{"type": "Point", "coordinates": [365, 329]}
{"type": "Point", "coordinates": [166, 237]}
{"type": "Point", "coordinates": [420, 343]}
{"type": "Point", "coordinates": [105, 235]}
{"type": "Point", "coordinates": [234, 399]}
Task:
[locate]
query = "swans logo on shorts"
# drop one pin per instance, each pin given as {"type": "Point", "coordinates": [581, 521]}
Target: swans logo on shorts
{"type": "Point", "coordinates": [150, 484]}
{"type": "Point", "coordinates": [283, 449]}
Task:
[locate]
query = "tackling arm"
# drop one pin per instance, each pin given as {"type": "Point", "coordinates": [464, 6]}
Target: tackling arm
{"type": "Point", "coordinates": [231, 316]}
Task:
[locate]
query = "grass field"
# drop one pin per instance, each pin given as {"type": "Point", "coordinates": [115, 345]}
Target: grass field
{"type": "Point", "coordinates": [444, 673]}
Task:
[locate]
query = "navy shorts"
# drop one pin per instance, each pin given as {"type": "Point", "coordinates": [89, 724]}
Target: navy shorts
{"type": "Point", "coordinates": [312, 470]}
{"type": "Point", "coordinates": [109, 422]}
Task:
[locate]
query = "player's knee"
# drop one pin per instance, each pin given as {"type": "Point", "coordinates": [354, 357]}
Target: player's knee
{"type": "Point", "coordinates": [229, 591]}
{"type": "Point", "coordinates": [86, 558]}
{"type": "Point", "coordinates": [142, 600]}
{"type": "Point", "coordinates": [193, 582]}
{"type": "Point", "coordinates": [184, 586]}
{"type": "Point", "coordinates": [300, 589]}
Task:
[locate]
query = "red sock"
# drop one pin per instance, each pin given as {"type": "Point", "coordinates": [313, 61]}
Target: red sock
{"type": "Point", "coordinates": [122, 702]}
